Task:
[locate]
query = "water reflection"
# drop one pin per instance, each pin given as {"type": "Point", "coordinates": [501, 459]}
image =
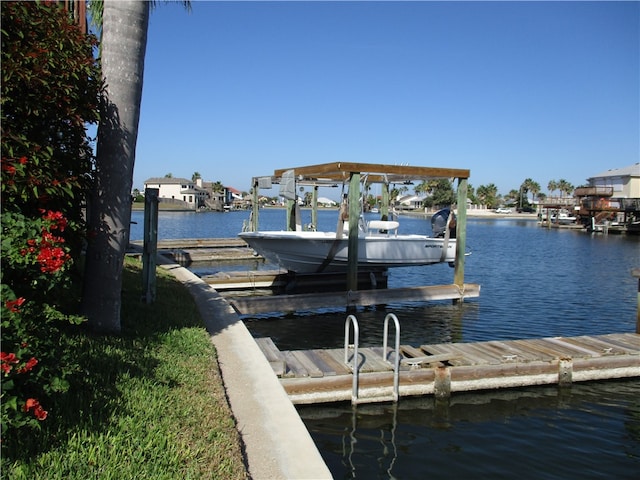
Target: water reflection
{"type": "Point", "coordinates": [419, 324]}
{"type": "Point", "coordinates": [486, 435]}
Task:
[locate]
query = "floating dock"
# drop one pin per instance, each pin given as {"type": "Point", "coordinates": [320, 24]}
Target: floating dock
{"type": "Point", "coordinates": [322, 375]}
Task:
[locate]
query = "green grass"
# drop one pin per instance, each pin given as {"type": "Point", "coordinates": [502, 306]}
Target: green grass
{"type": "Point", "coordinates": [148, 404]}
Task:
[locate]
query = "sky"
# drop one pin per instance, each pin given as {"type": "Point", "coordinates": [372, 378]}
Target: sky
{"type": "Point", "coordinates": [509, 90]}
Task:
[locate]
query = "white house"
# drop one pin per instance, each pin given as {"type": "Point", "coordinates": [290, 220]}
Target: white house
{"type": "Point", "coordinates": [326, 202]}
{"type": "Point", "coordinates": [179, 190]}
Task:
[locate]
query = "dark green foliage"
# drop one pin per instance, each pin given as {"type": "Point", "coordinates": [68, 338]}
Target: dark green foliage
{"type": "Point", "coordinates": [49, 93]}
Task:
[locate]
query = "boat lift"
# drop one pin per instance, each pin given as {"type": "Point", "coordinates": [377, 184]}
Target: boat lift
{"type": "Point", "coordinates": [330, 174]}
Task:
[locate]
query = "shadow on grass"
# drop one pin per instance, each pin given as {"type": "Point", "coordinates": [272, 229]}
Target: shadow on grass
{"type": "Point", "coordinates": [104, 363]}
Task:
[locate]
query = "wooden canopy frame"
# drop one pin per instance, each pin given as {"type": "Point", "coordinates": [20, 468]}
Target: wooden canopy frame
{"type": "Point", "coordinates": [328, 173]}
{"type": "Point", "coordinates": [376, 173]}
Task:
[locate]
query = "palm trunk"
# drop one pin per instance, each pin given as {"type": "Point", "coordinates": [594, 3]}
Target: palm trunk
{"type": "Point", "coordinates": [124, 40]}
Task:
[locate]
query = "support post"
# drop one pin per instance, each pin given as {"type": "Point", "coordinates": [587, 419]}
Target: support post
{"type": "Point", "coordinates": [384, 208]}
{"type": "Point", "coordinates": [255, 207]}
{"type": "Point", "coordinates": [461, 233]}
{"type": "Point", "coordinates": [354, 218]}
{"type": "Point", "coordinates": [150, 244]}
{"type": "Point", "coordinates": [314, 207]}
{"type": "Point", "coordinates": [291, 215]}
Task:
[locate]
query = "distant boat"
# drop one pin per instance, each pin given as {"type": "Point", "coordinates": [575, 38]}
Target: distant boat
{"type": "Point", "coordinates": [379, 247]}
{"type": "Point", "coordinates": [563, 218]}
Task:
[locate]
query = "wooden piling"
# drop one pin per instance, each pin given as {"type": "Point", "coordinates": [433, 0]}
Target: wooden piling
{"type": "Point", "coordinates": [150, 245]}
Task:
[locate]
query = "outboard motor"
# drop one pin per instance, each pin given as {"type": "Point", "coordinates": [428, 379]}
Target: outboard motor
{"type": "Point", "coordinates": [439, 223]}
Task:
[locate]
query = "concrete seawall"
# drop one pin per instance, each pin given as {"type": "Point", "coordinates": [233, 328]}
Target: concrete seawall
{"type": "Point", "coordinates": [277, 444]}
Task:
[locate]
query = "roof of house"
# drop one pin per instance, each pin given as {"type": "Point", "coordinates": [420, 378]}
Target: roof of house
{"type": "Point", "coordinates": [167, 180]}
{"type": "Point", "coordinates": [630, 171]}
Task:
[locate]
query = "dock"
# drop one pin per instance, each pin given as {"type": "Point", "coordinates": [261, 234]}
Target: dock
{"type": "Point", "coordinates": [245, 305]}
{"type": "Point", "coordinates": [322, 375]}
{"type": "Point", "coordinates": [187, 251]}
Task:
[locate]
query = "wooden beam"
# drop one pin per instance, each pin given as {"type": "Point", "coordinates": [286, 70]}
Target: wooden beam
{"type": "Point", "coordinates": [292, 303]}
{"type": "Point", "coordinates": [342, 170]}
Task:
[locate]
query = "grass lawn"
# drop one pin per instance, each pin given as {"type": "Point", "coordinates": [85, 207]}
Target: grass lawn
{"type": "Point", "coordinates": [148, 404]}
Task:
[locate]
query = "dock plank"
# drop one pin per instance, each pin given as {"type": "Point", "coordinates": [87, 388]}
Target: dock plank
{"type": "Point", "coordinates": [294, 365]}
{"type": "Point", "coordinates": [337, 365]}
{"type": "Point", "coordinates": [628, 341]}
{"type": "Point", "coordinates": [313, 370]}
{"type": "Point", "coordinates": [509, 352]}
{"type": "Point", "coordinates": [447, 349]}
{"type": "Point", "coordinates": [541, 350]}
{"type": "Point", "coordinates": [604, 345]}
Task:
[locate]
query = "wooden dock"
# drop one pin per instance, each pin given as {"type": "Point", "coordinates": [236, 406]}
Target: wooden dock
{"type": "Point", "coordinates": [320, 376]}
{"type": "Point", "coordinates": [186, 251]}
{"type": "Point", "coordinates": [309, 301]}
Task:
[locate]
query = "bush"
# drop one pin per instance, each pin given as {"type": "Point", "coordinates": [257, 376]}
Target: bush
{"type": "Point", "coordinates": [49, 92]}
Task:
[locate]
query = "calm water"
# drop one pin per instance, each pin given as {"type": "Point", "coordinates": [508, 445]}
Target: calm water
{"type": "Point", "coordinates": [534, 283]}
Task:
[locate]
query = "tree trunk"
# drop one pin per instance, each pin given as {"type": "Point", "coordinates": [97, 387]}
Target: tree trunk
{"type": "Point", "coordinates": [124, 40]}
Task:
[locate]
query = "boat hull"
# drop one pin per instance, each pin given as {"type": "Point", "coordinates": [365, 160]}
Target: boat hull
{"type": "Point", "coordinates": [309, 252]}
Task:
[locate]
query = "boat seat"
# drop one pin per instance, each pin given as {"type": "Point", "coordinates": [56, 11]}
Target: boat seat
{"type": "Point", "coordinates": [383, 227]}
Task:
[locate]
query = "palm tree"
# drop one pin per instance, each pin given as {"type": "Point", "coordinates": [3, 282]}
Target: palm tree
{"type": "Point", "coordinates": [552, 186]}
{"type": "Point", "coordinates": [565, 187]}
{"type": "Point", "coordinates": [488, 195]}
{"type": "Point", "coordinates": [534, 188]}
{"type": "Point", "coordinates": [124, 41]}
{"type": "Point", "coordinates": [124, 26]}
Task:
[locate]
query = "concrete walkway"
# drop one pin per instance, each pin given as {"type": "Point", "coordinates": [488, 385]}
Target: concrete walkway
{"type": "Point", "coordinates": [276, 441]}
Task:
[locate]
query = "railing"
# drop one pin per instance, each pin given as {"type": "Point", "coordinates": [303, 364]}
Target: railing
{"type": "Point", "coordinates": [396, 353]}
{"type": "Point", "coordinates": [355, 360]}
{"type": "Point", "coordinates": [355, 367]}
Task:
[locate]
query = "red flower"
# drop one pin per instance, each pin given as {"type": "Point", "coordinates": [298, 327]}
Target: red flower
{"type": "Point", "coordinates": [6, 361]}
{"type": "Point", "coordinates": [38, 411]}
{"type": "Point", "coordinates": [9, 169]}
{"type": "Point", "coordinates": [32, 362]}
{"type": "Point", "coordinates": [13, 305]}
{"type": "Point", "coordinates": [52, 259]}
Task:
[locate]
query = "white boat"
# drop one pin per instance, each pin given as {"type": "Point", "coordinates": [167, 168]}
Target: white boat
{"type": "Point", "coordinates": [563, 218]}
{"type": "Point", "coordinates": [379, 247]}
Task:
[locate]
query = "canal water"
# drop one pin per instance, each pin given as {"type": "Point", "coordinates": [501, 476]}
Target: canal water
{"type": "Point", "coordinates": [534, 282]}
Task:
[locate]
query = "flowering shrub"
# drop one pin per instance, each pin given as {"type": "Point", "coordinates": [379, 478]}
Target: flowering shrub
{"type": "Point", "coordinates": [49, 92]}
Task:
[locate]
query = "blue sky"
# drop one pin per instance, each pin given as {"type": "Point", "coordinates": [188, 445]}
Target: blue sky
{"type": "Point", "coordinates": [509, 90]}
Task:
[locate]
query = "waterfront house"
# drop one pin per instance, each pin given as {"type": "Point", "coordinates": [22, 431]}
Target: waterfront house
{"type": "Point", "coordinates": [623, 182]}
{"type": "Point", "coordinates": [180, 191]}
{"type": "Point", "coordinates": [612, 196]}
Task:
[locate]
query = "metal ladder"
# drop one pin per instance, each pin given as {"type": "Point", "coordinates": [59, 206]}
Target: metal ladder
{"type": "Point", "coordinates": [355, 364]}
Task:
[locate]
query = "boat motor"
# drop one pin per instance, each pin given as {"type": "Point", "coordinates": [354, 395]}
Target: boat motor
{"type": "Point", "coordinates": [439, 223]}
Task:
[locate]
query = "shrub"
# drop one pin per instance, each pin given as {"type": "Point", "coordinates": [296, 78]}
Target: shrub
{"type": "Point", "coordinates": [49, 92]}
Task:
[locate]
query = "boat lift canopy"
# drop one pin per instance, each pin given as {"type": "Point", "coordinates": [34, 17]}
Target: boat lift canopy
{"type": "Point", "coordinates": [327, 173]}
{"type": "Point", "coordinates": [343, 172]}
